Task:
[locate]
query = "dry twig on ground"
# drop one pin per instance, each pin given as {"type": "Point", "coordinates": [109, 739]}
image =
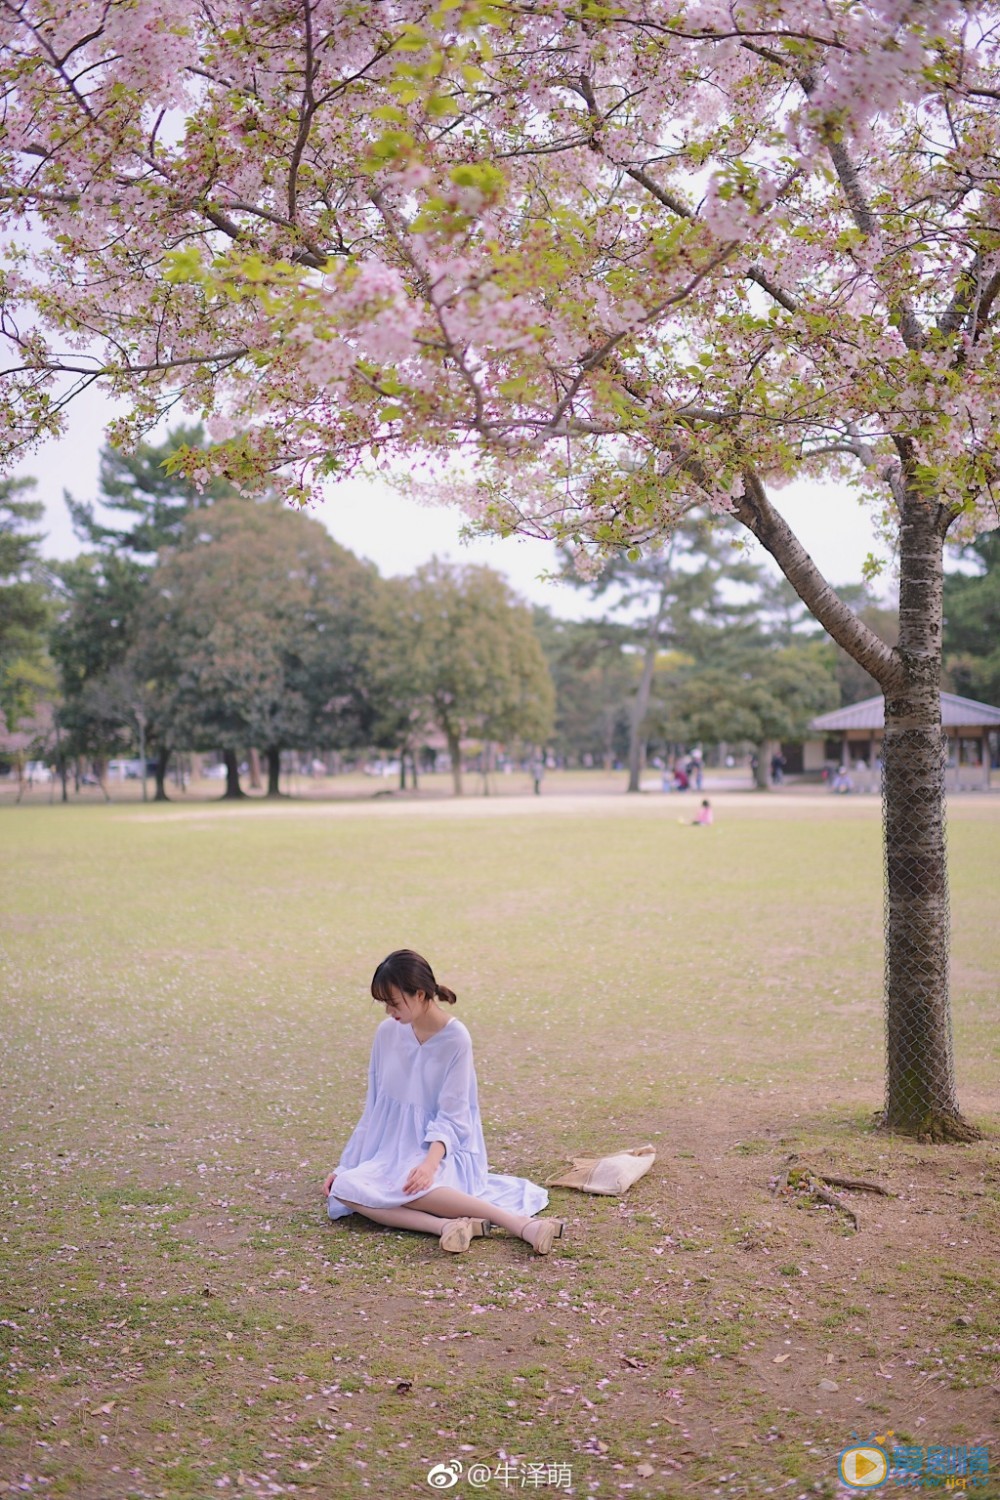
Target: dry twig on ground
{"type": "Point", "coordinates": [809, 1181]}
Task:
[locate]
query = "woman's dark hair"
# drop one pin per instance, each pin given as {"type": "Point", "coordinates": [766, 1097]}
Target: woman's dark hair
{"type": "Point", "coordinates": [407, 971]}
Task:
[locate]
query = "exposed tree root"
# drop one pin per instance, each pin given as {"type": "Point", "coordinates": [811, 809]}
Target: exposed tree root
{"type": "Point", "coordinates": [859, 1185]}
{"type": "Point", "coordinates": [821, 1195]}
{"type": "Point", "coordinates": [809, 1182]}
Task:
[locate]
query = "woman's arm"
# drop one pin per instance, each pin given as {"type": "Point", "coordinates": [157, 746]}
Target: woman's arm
{"type": "Point", "coordinates": [422, 1177]}
{"type": "Point", "coordinates": [451, 1123]}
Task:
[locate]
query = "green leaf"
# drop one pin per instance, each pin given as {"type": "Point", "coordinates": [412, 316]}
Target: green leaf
{"type": "Point", "coordinates": [184, 266]}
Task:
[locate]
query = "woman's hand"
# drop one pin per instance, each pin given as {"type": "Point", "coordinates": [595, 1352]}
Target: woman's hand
{"type": "Point", "coordinates": [328, 1184]}
{"type": "Point", "coordinates": [421, 1178]}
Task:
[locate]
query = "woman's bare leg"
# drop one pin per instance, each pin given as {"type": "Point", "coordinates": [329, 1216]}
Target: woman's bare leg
{"type": "Point", "coordinates": [451, 1204]}
{"type": "Point", "coordinates": [402, 1218]}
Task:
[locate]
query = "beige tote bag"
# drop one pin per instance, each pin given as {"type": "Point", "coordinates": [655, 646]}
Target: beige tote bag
{"type": "Point", "coordinates": [606, 1174]}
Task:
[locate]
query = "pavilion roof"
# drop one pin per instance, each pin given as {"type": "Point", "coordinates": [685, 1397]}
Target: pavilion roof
{"type": "Point", "coordinates": [956, 713]}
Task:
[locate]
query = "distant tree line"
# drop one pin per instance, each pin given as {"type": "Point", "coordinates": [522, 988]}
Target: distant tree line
{"type": "Point", "coordinates": [203, 620]}
{"type": "Point", "coordinates": [209, 621]}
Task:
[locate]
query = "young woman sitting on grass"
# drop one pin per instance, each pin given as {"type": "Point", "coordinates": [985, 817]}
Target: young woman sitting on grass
{"type": "Point", "coordinates": [417, 1158]}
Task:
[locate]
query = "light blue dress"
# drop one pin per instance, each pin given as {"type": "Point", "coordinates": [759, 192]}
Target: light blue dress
{"type": "Point", "coordinates": [419, 1093]}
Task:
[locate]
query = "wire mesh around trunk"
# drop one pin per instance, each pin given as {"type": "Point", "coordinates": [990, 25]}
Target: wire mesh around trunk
{"type": "Point", "coordinates": [920, 1080]}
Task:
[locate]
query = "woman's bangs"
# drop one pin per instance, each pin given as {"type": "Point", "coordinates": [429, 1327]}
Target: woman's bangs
{"type": "Point", "coordinates": [382, 990]}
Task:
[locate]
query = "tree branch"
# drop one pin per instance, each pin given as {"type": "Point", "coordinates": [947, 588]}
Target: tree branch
{"type": "Point", "coordinates": [669, 200]}
{"type": "Point", "coordinates": [661, 194]}
{"type": "Point", "coordinates": [861, 643]}
{"type": "Point", "coordinates": [909, 326]}
{"type": "Point", "coordinates": [961, 303]}
{"type": "Point", "coordinates": [305, 118]}
{"type": "Point", "coordinates": [58, 367]}
{"type": "Point", "coordinates": [986, 302]}
{"type": "Point", "coordinates": [783, 298]}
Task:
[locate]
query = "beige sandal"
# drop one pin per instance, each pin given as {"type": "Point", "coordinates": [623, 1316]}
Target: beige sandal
{"type": "Point", "coordinates": [549, 1230]}
{"type": "Point", "coordinates": [458, 1234]}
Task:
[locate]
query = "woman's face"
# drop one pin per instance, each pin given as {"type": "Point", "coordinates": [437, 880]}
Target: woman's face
{"type": "Point", "coordinates": [405, 1008]}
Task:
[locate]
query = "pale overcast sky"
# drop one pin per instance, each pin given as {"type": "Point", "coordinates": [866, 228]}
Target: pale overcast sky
{"type": "Point", "coordinates": [397, 534]}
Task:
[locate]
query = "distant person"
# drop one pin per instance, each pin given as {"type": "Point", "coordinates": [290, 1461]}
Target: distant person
{"type": "Point", "coordinates": [417, 1158]}
{"type": "Point", "coordinates": [704, 818]}
{"type": "Point", "coordinates": [842, 781]}
{"type": "Point", "coordinates": [537, 773]}
{"type": "Point", "coordinates": [778, 764]}
{"type": "Point", "coordinates": [681, 782]}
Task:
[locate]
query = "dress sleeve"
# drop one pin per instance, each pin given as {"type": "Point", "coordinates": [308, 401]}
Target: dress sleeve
{"type": "Point", "coordinates": [451, 1123]}
{"type": "Point", "coordinates": [352, 1152]}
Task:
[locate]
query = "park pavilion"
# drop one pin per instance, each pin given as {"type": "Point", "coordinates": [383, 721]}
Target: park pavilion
{"type": "Point", "coordinates": [852, 737]}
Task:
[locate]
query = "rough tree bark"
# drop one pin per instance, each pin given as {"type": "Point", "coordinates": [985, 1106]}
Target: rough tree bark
{"type": "Point", "coordinates": [920, 1086]}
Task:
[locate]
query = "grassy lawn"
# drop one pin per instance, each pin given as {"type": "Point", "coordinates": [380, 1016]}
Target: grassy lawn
{"type": "Point", "coordinates": [184, 1034]}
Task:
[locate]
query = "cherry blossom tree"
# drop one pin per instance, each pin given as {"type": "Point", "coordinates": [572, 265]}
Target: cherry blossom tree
{"type": "Point", "coordinates": [610, 258]}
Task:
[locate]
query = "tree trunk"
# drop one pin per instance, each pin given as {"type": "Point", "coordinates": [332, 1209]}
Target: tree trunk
{"type": "Point", "coordinates": [162, 763]}
{"type": "Point", "coordinates": [101, 772]}
{"type": "Point", "coordinates": [920, 1085]}
{"type": "Point", "coordinates": [142, 754]}
{"type": "Point", "coordinates": [920, 1089]}
{"type": "Point", "coordinates": [233, 788]}
{"type": "Point", "coordinates": [455, 751]}
{"type": "Point", "coordinates": [640, 703]}
{"type": "Point", "coordinates": [255, 773]}
{"type": "Point", "coordinates": [273, 772]}
{"type": "Point", "coordinates": [402, 770]}
{"type": "Point", "coordinates": [760, 781]}
{"type": "Point", "coordinates": [413, 769]}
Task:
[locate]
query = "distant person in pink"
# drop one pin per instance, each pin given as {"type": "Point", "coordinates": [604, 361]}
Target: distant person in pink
{"type": "Point", "coordinates": [704, 818]}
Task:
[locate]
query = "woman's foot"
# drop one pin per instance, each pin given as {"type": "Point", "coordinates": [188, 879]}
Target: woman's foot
{"type": "Point", "coordinates": [541, 1234]}
{"type": "Point", "coordinates": [458, 1234]}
